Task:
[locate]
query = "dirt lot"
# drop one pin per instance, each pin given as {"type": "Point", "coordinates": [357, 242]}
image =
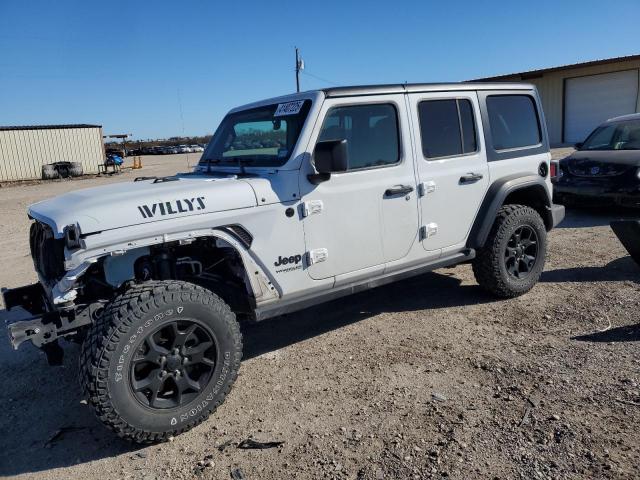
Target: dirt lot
{"type": "Point", "coordinates": [426, 378]}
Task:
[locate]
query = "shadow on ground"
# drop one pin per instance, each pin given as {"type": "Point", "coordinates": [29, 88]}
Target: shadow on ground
{"type": "Point", "coordinates": [582, 217]}
{"type": "Point", "coordinates": [46, 427]}
{"type": "Point", "coordinates": [628, 333]}
{"type": "Point", "coordinates": [619, 270]}
{"type": "Point", "coordinates": [425, 292]}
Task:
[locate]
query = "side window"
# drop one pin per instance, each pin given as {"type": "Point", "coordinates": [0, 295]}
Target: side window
{"type": "Point", "coordinates": [514, 121]}
{"type": "Point", "coordinates": [371, 132]}
{"type": "Point", "coordinates": [447, 128]}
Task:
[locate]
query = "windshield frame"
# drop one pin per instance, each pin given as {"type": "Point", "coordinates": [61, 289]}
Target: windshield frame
{"type": "Point", "coordinates": [213, 157]}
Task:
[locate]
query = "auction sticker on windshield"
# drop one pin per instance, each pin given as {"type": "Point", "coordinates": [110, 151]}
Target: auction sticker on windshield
{"type": "Point", "coordinates": [289, 108]}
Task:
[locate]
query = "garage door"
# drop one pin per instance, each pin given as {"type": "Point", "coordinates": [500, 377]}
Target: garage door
{"type": "Point", "coordinates": [591, 100]}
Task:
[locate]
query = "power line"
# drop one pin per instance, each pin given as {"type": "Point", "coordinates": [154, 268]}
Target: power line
{"type": "Point", "coordinates": [304, 72]}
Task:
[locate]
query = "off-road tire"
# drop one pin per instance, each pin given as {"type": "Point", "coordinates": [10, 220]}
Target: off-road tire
{"type": "Point", "coordinates": [49, 172]}
{"type": "Point", "coordinates": [75, 169]}
{"type": "Point", "coordinates": [489, 266]}
{"type": "Point", "coordinates": [108, 353]}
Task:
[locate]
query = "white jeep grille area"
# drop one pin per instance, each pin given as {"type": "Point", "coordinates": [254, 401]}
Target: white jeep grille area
{"type": "Point", "coordinates": [47, 252]}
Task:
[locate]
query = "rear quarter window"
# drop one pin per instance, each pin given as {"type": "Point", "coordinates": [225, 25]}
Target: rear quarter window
{"type": "Point", "coordinates": [514, 121]}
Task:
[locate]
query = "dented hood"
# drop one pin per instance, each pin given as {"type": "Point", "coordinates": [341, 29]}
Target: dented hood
{"type": "Point", "coordinates": [133, 203]}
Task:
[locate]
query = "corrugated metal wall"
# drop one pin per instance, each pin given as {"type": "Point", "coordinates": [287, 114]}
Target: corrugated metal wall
{"type": "Point", "coordinates": [551, 88]}
{"type": "Point", "coordinates": [23, 152]}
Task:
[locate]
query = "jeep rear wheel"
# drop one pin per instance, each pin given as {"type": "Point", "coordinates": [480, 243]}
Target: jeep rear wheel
{"type": "Point", "coordinates": [161, 358]}
{"type": "Point", "coordinates": [512, 259]}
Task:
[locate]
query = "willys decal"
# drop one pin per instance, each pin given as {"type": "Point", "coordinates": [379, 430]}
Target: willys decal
{"type": "Point", "coordinates": [172, 207]}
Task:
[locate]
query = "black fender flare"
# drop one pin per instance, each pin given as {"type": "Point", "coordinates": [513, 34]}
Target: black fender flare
{"type": "Point", "coordinates": [495, 197]}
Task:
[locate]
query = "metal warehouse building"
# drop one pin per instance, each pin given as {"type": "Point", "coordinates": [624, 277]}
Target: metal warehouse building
{"type": "Point", "coordinates": [577, 98]}
{"type": "Point", "coordinates": [23, 150]}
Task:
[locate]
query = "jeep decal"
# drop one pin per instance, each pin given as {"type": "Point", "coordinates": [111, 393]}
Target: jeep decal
{"type": "Point", "coordinates": [293, 260]}
{"type": "Point", "coordinates": [171, 207]}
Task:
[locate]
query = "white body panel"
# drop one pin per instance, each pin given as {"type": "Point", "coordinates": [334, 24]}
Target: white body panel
{"type": "Point", "coordinates": [134, 203]}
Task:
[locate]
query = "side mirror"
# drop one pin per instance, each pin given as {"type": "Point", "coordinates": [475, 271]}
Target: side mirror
{"type": "Point", "coordinates": [578, 145]}
{"type": "Point", "coordinates": [329, 156]}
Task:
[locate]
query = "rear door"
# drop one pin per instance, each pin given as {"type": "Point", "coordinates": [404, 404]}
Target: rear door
{"type": "Point", "coordinates": [451, 165]}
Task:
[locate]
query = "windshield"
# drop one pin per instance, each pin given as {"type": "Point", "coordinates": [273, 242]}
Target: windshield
{"type": "Point", "coordinates": [615, 136]}
{"type": "Point", "coordinates": [261, 137]}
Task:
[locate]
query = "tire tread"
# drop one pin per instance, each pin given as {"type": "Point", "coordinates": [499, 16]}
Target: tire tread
{"type": "Point", "coordinates": [103, 337]}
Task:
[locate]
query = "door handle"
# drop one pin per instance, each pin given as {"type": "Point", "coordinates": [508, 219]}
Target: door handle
{"type": "Point", "coordinates": [471, 177]}
{"type": "Point", "coordinates": [398, 190]}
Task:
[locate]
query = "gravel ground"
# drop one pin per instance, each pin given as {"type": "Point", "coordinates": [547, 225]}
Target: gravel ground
{"type": "Point", "coordinates": [425, 378]}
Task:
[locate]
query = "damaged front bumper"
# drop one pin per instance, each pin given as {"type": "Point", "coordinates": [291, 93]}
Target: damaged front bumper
{"type": "Point", "coordinates": [46, 324]}
{"type": "Point", "coordinates": [37, 329]}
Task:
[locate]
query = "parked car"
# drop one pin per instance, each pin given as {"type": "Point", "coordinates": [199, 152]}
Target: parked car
{"type": "Point", "coordinates": [605, 168]}
{"type": "Point", "coordinates": [371, 185]}
{"type": "Point", "coordinates": [196, 148]}
{"type": "Point", "coordinates": [155, 150]}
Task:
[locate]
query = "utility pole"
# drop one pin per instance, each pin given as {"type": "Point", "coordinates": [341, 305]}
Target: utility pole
{"type": "Point", "coordinates": [299, 66]}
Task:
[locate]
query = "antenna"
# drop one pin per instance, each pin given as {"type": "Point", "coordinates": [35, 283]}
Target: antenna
{"type": "Point", "coordinates": [299, 67]}
{"type": "Point", "coordinates": [182, 121]}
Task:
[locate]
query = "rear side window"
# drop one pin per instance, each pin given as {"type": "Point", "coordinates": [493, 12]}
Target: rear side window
{"type": "Point", "coordinates": [447, 128]}
{"type": "Point", "coordinates": [514, 121]}
{"type": "Point", "coordinates": [371, 132]}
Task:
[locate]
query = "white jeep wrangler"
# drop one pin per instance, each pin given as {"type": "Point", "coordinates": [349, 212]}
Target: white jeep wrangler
{"type": "Point", "coordinates": [297, 200]}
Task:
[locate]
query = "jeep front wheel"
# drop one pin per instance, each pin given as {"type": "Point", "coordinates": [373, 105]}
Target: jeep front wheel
{"type": "Point", "coordinates": [512, 259]}
{"type": "Point", "coordinates": [161, 358]}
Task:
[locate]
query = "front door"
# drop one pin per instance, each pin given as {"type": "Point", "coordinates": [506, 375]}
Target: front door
{"type": "Point", "coordinates": [367, 215]}
{"type": "Point", "coordinates": [452, 167]}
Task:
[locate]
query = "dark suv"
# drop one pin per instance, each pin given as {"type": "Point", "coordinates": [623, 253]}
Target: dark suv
{"type": "Point", "coordinates": [605, 169]}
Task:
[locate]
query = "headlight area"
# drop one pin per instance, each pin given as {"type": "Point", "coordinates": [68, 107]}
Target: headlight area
{"type": "Point", "coordinates": [64, 290]}
{"type": "Point", "coordinates": [71, 237]}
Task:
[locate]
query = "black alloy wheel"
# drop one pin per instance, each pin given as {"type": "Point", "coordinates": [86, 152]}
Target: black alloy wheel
{"type": "Point", "coordinates": [173, 364]}
{"type": "Point", "coordinates": [521, 252]}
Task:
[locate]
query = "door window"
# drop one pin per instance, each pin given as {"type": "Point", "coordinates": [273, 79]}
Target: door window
{"type": "Point", "coordinates": [371, 132]}
{"type": "Point", "coordinates": [513, 120]}
{"type": "Point", "coordinates": [447, 128]}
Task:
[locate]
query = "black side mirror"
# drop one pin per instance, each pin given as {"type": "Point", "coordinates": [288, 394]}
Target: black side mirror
{"type": "Point", "coordinates": [578, 145]}
{"type": "Point", "coordinates": [329, 156]}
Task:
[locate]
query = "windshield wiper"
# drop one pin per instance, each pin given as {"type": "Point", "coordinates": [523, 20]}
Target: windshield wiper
{"type": "Point", "coordinates": [239, 161]}
{"type": "Point", "coordinates": [242, 162]}
{"type": "Point", "coordinates": [212, 161]}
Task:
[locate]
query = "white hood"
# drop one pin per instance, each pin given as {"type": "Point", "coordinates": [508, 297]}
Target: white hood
{"type": "Point", "coordinates": [133, 203]}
